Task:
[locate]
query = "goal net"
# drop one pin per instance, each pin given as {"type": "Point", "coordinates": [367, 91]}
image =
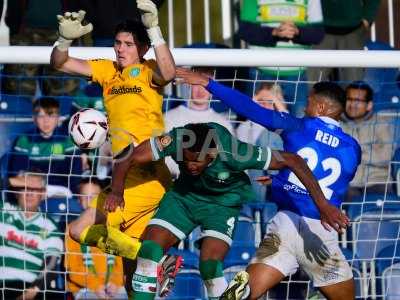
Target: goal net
{"type": "Point", "coordinates": [370, 244]}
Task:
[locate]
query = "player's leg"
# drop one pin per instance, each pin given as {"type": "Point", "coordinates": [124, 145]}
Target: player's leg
{"type": "Point", "coordinates": [156, 241]}
{"type": "Point", "coordinates": [274, 259]}
{"type": "Point", "coordinates": [97, 228]}
{"type": "Point", "coordinates": [343, 290]}
{"type": "Point", "coordinates": [218, 223]}
{"type": "Point", "coordinates": [89, 227]}
{"type": "Point", "coordinates": [212, 253]}
{"type": "Point", "coordinates": [170, 224]}
{"type": "Point", "coordinates": [324, 262]}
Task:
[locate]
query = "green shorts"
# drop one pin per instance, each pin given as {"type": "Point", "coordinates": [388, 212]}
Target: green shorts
{"type": "Point", "coordinates": [181, 214]}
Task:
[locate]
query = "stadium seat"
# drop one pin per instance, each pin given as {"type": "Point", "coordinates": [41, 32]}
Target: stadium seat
{"type": "Point", "coordinates": [247, 211]}
{"type": "Point", "coordinates": [188, 286]}
{"type": "Point", "coordinates": [269, 211]}
{"type": "Point", "coordinates": [371, 202]}
{"type": "Point", "coordinates": [374, 230]}
{"type": "Point", "coordinates": [383, 81]}
{"type": "Point", "coordinates": [15, 106]}
{"type": "Point", "coordinates": [61, 210]}
{"type": "Point", "coordinates": [390, 282]}
{"type": "Point", "coordinates": [239, 255]}
{"type": "Point", "coordinates": [192, 239]}
{"type": "Point", "coordinates": [190, 259]}
{"type": "Point", "coordinates": [244, 232]}
{"type": "Point", "coordinates": [387, 256]}
{"type": "Point", "coordinates": [243, 244]}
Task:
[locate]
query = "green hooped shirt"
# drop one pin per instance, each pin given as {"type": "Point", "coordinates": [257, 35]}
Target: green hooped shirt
{"type": "Point", "coordinates": [224, 180]}
{"type": "Point", "coordinates": [272, 13]}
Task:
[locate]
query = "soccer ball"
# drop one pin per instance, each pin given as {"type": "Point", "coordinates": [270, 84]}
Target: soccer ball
{"type": "Point", "coordinates": [88, 128]}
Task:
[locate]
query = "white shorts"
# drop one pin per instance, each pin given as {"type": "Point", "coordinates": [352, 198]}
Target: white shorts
{"type": "Point", "coordinates": [292, 241]}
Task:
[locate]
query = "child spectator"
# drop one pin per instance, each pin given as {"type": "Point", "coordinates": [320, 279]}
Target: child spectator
{"type": "Point", "coordinates": [46, 149]}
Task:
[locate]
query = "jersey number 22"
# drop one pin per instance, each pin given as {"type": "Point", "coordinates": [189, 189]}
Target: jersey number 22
{"type": "Point", "coordinates": [330, 163]}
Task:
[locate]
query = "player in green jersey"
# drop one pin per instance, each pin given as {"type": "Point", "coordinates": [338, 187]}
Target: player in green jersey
{"type": "Point", "coordinates": [209, 193]}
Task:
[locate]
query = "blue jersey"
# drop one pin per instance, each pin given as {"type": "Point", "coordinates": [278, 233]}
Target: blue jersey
{"type": "Point", "coordinates": [332, 155]}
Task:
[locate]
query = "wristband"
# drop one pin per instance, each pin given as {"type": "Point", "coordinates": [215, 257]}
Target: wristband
{"type": "Point", "coordinates": [63, 44]}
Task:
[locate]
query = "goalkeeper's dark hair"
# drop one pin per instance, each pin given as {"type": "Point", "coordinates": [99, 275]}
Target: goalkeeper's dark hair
{"type": "Point", "coordinates": [330, 91]}
{"type": "Point", "coordinates": [201, 131]}
{"type": "Point", "coordinates": [361, 85]}
{"type": "Point", "coordinates": [136, 28]}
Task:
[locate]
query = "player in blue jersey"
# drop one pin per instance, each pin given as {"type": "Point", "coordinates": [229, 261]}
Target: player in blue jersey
{"type": "Point", "coordinates": [296, 237]}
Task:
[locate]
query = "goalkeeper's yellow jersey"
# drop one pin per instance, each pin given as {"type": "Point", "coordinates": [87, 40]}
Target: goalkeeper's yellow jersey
{"type": "Point", "coordinates": [133, 105]}
{"type": "Point", "coordinates": [132, 102]}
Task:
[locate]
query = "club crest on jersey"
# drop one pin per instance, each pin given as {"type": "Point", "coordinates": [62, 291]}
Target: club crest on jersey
{"type": "Point", "coordinates": [165, 141]}
{"type": "Point", "coordinates": [134, 72]}
{"type": "Point", "coordinates": [57, 149]}
{"type": "Point", "coordinates": [223, 175]}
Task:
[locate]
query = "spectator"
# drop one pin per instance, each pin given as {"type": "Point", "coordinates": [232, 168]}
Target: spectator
{"type": "Point", "coordinates": [114, 11]}
{"type": "Point", "coordinates": [196, 110]}
{"type": "Point", "coordinates": [31, 245]}
{"type": "Point", "coordinates": [346, 26]}
{"type": "Point", "coordinates": [282, 24]}
{"type": "Point", "coordinates": [46, 149]}
{"type": "Point", "coordinates": [375, 134]}
{"type": "Point", "coordinates": [92, 274]}
{"type": "Point", "coordinates": [33, 23]}
{"type": "Point", "coordinates": [268, 95]}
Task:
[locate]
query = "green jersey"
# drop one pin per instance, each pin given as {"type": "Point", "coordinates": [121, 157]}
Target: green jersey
{"type": "Point", "coordinates": [225, 174]}
{"type": "Point", "coordinates": [25, 243]}
{"type": "Point", "coordinates": [272, 13]}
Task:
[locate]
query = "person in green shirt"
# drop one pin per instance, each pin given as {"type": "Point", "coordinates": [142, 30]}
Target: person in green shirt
{"type": "Point", "coordinates": [209, 192]}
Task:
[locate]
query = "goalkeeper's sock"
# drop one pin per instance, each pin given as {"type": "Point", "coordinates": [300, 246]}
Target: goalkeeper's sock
{"type": "Point", "coordinates": [144, 282]}
{"type": "Point", "coordinates": [110, 240]}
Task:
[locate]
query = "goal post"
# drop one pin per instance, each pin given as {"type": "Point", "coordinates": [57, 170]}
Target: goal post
{"type": "Point", "coordinates": [223, 57]}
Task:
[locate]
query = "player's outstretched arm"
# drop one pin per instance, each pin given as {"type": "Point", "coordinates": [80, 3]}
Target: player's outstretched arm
{"type": "Point", "coordinates": [241, 103]}
{"type": "Point", "coordinates": [70, 28]}
{"type": "Point", "coordinates": [165, 61]}
{"type": "Point", "coordinates": [331, 216]}
{"type": "Point", "coordinates": [131, 155]}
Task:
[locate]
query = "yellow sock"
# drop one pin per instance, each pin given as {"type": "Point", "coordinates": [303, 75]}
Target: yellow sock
{"type": "Point", "coordinates": [123, 244]}
{"type": "Point", "coordinates": [110, 240]}
{"type": "Point", "coordinates": [92, 234]}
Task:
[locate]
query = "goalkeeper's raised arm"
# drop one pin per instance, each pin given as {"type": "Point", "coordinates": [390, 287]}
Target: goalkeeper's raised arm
{"type": "Point", "coordinates": [130, 44]}
{"type": "Point", "coordinates": [165, 61]}
{"type": "Point", "coordinates": [70, 28]}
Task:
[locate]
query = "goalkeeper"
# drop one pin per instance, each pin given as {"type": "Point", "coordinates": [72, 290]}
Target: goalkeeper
{"type": "Point", "coordinates": [132, 100]}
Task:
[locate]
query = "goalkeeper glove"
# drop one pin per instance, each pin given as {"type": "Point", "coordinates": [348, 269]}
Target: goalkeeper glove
{"type": "Point", "coordinates": [150, 21]}
{"type": "Point", "coordinates": [70, 28]}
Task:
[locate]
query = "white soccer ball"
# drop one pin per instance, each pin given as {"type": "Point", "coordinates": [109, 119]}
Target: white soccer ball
{"type": "Point", "coordinates": [88, 128]}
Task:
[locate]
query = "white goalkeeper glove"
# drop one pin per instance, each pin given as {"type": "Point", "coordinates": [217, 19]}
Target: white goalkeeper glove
{"type": "Point", "coordinates": [70, 28]}
{"type": "Point", "coordinates": [150, 21]}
